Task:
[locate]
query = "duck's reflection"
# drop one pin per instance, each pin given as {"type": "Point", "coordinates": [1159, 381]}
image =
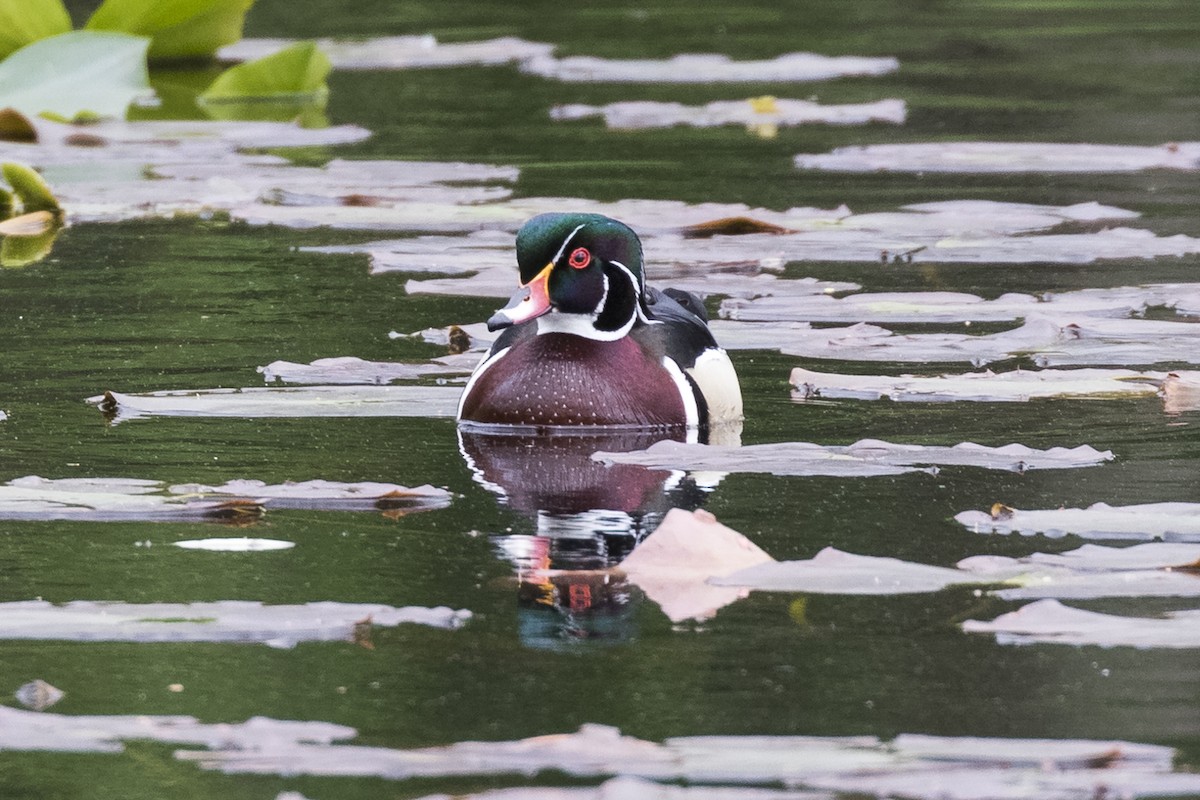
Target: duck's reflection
{"type": "Point", "coordinates": [585, 518]}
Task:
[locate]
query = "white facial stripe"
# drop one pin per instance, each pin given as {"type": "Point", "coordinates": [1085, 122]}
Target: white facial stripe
{"type": "Point", "coordinates": [637, 286]}
{"type": "Point", "coordinates": [603, 299]}
{"type": "Point", "coordinates": [566, 242]}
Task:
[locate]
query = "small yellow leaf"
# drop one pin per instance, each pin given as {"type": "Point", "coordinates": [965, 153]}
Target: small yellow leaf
{"type": "Point", "coordinates": [764, 105]}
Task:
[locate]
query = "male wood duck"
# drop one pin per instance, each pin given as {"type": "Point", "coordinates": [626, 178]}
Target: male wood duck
{"type": "Point", "coordinates": [587, 343]}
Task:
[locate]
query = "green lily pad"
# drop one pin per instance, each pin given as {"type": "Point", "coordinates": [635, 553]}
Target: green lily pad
{"type": "Point", "coordinates": [82, 73]}
{"type": "Point", "coordinates": [178, 28]}
{"type": "Point", "coordinates": [23, 22]}
{"type": "Point", "coordinates": [294, 74]}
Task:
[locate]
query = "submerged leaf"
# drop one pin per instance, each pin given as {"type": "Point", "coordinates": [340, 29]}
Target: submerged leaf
{"type": "Point", "coordinates": [293, 75]}
{"type": "Point", "coordinates": [23, 22]}
{"type": "Point", "coordinates": [178, 28]}
{"type": "Point", "coordinates": [82, 73]}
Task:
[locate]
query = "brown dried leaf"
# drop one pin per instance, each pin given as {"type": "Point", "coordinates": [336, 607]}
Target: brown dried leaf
{"type": "Point", "coordinates": [16, 127]}
{"type": "Point", "coordinates": [732, 226]}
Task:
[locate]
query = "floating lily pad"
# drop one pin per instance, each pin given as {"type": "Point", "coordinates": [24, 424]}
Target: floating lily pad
{"type": "Point", "coordinates": [108, 499]}
{"type": "Point", "coordinates": [833, 571]}
{"type": "Point", "coordinates": [398, 52]}
{"type": "Point", "coordinates": [1156, 569]}
{"type": "Point", "coordinates": [1044, 341]}
{"type": "Point", "coordinates": [979, 767]}
{"type": "Point", "coordinates": [312, 401]}
{"type": "Point", "coordinates": [22, 730]}
{"type": "Point", "coordinates": [641, 114]}
{"type": "Point", "coordinates": [868, 457]}
{"type": "Point", "coordinates": [707, 68]}
{"type": "Point", "coordinates": [1172, 522]}
{"type": "Point", "coordinates": [348, 369]}
{"type": "Point", "coordinates": [325, 495]}
{"type": "Point", "coordinates": [1051, 622]}
{"type": "Point", "coordinates": [949, 307]}
{"type": "Point", "coordinates": [1015, 386]}
{"type": "Point", "coordinates": [223, 621]}
{"type": "Point", "coordinates": [692, 566]}
{"type": "Point", "coordinates": [77, 73]}
{"type": "Point", "coordinates": [984, 157]}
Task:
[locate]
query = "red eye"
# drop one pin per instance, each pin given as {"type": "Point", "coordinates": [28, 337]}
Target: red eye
{"type": "Point", "coordinates": [580, 258]}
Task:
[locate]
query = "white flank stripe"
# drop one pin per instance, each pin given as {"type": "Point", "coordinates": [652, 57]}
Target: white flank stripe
{"type": "Point", "coordinates": [479, 370]}
{"type": "Point", "coordinates": [691, 412]}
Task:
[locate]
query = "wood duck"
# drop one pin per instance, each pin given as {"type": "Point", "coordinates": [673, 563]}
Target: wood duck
{"type": "Point", "coordinates": [586, 343]}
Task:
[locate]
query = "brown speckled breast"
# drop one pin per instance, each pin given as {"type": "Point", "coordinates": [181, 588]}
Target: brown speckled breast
{"type": "Point", "coordinates": [561, 379]}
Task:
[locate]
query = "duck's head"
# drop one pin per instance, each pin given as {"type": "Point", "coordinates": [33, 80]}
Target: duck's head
{"type": "Point", "coordinates": [581, 273]}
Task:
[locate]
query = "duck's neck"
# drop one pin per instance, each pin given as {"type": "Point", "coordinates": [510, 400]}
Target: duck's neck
{"type": "Point", "coordinates": [584, 325]}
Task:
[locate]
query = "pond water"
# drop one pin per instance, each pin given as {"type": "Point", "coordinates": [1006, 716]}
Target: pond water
{"type": "Point", "coordinates": [189, 303]}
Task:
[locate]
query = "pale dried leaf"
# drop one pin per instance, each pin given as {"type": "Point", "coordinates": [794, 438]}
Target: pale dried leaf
{"type": "Point", "coordinates": [868, 457]}
{"type": "Point", "coordinates": [351, 370]}
{"type": "Point", "coordinates": [221, 621]}
{"type": "Point", "coordinates": [1014, 386]}
{"type": "Point", "coordinates": [987, 157]}
{"type": "Point", "coordinates": [707, 68]}
{"type": "Point", "coordinates": [1051, 622]}
{"type": "Point", "coordinates": [312, 401]}
{"type": "Point", "coordinates": [1172, 522]}
{"type": "Point", "coordinates": [397, 52]}
{"type": "Point", "coordinates": [643, 114]}
{"type": "Point", "coordinates": [674, 562]}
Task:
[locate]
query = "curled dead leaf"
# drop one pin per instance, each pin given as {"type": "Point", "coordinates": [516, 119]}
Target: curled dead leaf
{"type": "Point", "coordinates": [732, 226]}
{"type": "Point", "coordinates": [459, 340]}
{"type": "Point", "coordinates": [238, 512]}
{"type": "Point", "coordinates": [1001, 511]}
